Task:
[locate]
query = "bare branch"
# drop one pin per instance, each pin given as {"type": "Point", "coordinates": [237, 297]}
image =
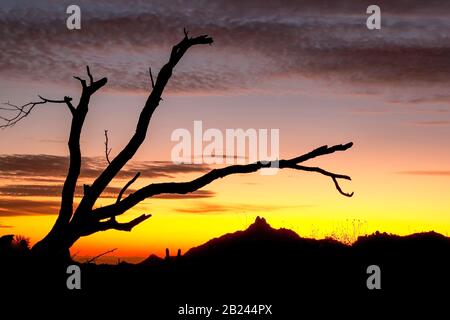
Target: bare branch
{"type": "Point", "coordinates": [107, 149]}
{"type": "Point", "coordinates": [91, 79]}
{"type": "Point", "coordinates": [334, 177]}
{"type": "Point", "coordinates": [83, 82]}
{"type": "Point", "coordinates": [129, 183]}
{"type": "Point", "coordinates": [93, 85]}
{"type": "Point", "coordinates": [340, 190]}
{"type": "Point", "coordinates": [191, 186]}
{"type": "Point", "coordinates": [80, 112]}
{"type": "Point", "coordinates": [24, 110]}
{"type": "Point", "coordinates": [21, 112]}
{"type": "Point", "coordinates": [73, 256]}
{"type": "Point", "coordinates": [151, 77]}
{"type": "Point", "coordinates": [67, 100]}
{"type": "Point", "coordinates": [100, 255]}
{"type": "Point", "coordinates": [51, 100]}
{"type": "Point", "coordinates": [121, 226]}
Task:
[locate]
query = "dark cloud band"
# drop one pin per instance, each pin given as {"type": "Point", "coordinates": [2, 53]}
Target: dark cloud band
{"type": "Point", "coordinates": [53, 167]}
{"type": "Point", "coordinates": [254, 41]}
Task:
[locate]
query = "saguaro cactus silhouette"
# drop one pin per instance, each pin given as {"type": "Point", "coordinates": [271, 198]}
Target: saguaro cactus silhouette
{"type": "Point", "coordinates": [73, 223]}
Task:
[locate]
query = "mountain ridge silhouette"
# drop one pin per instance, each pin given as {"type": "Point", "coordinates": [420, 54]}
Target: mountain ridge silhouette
{"type": "Point", "coordinates": [260, 240]}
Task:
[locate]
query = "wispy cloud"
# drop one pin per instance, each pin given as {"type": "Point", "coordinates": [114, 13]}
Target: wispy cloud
{"type": "Point", "coordinates": [55, 167]}
{"type": "Point", "coordinates": [432, 123]}
{"type": "Point", "coordinates": [433, 98]}
{"type": "Point", "coordinates": [29, 178]}
{"type": "Point", "coordinates": [5, 226]}
{"type": "Point", "coordinates": [426, 172]}
{"type": "Point", "coordinates": [38, 190]}
{"type": "Point", "coordinates": [193, 195]}
{"type": "Point", "coordinates": [19, 207]}
{"type": "Point", "coordinates": [215, 208]}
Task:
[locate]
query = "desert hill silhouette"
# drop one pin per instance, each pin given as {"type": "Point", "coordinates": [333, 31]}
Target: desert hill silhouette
{"type": "Point", "coordinates": [261, 242]}
{"type": "Point", "coordinates": [260, 264]}
{"type": "Point", "coordinates": [264, 257]}
{"type": "Point", "coordinates": [258, 242]}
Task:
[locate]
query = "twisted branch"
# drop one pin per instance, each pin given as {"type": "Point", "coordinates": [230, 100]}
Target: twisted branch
{"type": "Point", "coordinates": [107, 149]}
{"type": "Point", "coordinates": [333, 176]}
{"type": "Point", "coordinates": [186, 187]}
{"type": "Point", "coordinates": [129, 183]}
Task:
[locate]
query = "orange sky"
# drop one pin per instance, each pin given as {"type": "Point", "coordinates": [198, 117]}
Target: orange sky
{"type": "Point", "coordinates": [319, 79]}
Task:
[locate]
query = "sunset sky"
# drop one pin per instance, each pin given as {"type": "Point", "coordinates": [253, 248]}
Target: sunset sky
{"type": "Point", "coordinates": [313, 71]}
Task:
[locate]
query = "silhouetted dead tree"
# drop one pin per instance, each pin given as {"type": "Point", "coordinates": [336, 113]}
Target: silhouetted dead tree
{"type": "Point", "coordinates": [71, 223]}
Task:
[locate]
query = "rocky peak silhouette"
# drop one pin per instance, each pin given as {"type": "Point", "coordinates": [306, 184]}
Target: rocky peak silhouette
{"type": "Point", "coordinates": [260, 224]}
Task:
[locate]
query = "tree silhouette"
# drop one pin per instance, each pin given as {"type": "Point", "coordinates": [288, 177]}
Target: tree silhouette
{"type": "Point", "coordinates": [85, 219]}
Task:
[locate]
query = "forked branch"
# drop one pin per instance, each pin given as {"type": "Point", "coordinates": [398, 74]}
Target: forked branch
{"type": "Point", "coordinates": [151, 78]}
{"type": "Point", "coordinates": [153, 100]}
{"type": "Point", "coordinates": [333, 176]}
{"type": "Point", "coordinates": [14, 113]}
{"type": "Point", "coordinates": [79, 116]}
{"type": "Point", "coordinates": [121, 226]}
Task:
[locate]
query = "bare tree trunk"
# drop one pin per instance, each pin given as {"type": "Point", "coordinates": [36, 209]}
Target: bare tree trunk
{"type": "Point", "coordinates": [55, 247]}
{"type": "Point", "coordinates": [70, 225]}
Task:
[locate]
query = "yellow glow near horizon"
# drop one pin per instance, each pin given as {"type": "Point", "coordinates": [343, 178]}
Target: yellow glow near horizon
{"type": "Point", "coordinates": [306, 203]}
